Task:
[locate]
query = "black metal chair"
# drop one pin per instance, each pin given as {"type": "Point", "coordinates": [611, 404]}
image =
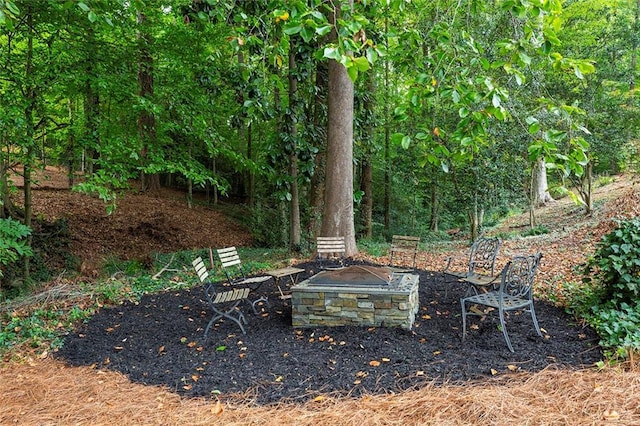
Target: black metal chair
{"type": "Point", "coordinates": [515, 293]}
{"type": "Point", "coordinates": [480, 265]}
{"type": "Point", "coordinates": [223, 302]}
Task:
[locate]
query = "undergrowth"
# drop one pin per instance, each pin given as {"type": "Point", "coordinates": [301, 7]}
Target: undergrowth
{"type": "Point", "coordinates": [39, 322]}
{"type": "Point", "coordinates": [609, 296]}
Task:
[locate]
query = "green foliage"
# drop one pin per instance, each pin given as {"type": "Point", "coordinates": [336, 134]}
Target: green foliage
{"type": "Point", "coordinates": [618, 326]}
{"type": "Point", "coordinates": [609, 297]}
{"type": "Point", "coordinates": [267, 226]}
{"type": "Point", "coordinates": [12, 242]}
{"type": "Point", "coordinates": [616, 264]}
{"type": "Point", "coordinates": [536, 230]}
{"type": "Point", "coordinates": [373, 247]}
{"type": "Point", "coordinates": [41, 329]}
{"type": "Point", "coordinates": [113, 266]}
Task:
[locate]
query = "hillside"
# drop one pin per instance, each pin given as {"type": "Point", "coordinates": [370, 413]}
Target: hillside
{"type": "Point", "coordinates": [146, 223]}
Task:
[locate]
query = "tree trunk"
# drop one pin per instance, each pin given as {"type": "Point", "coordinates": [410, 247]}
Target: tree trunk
{"type": "Point", "coordinates": [476, 217]}
{"type": "Point", "coordinates": [317, 186]}
{"type": "Point", "coordinates": [435, 207]}
{"type": "Point", "coordinates": [367, 188]}
{"type": "Point", "coordinates": [30, 91]}
{"type": "Point", "coordinates": [367, 162]}
{"type": "Point", "coordinates": [91, 107]}
{"type": "Point", "coordinates": [532, 199]}
{"type": "Point", "coordinates": [294, 211]}
{"type": "Point", "coordinates": [387, 137]}
{"type": "Point", "coordinates": [146, 119]}
{"type": "Point", "coordinates": [634, 48]}
{"type": "Point", "coordinates": [337, 218]}
{"type": "Point", "coordinates": [251, 177]}
{"type": "Point", "coordinates": [71, 144]}
{"type": "Point", "coordinates": [539, 184]}
{"type": "Point", "coordinates": [586, 189]}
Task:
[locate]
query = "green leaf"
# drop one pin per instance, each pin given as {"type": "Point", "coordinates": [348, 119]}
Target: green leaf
{"type": "Point", "coordinates": [524, 58]}
{"type": "Point", "coordinates": [83, 6]}
{"type": "Point", "coordinates": [307, 34]}
{"type": "Point", "coordinates": [495, 100]}
{"type": "Point", "coordinates": [353, 72]}
{"type": "Point", "coordinates": [362, 63]}
{"type": "Point", "coordinates": [578, 73]}
{"type": "Point", "coordinates": [323, 30]}
{"type": "Point", "coordinates": [397, 138]}
{"type": "Point", "coordinates": [331, 53]}
{"type": "Point", "coordinates": [372, 55]}
{"type": "Point", "coordinates": [292, 28]}
{"type": "Point", "coordinates": [406, 141]}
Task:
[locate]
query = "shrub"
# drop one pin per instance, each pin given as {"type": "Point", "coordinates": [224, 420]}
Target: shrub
{"type": "Point", "coordinates": [536, 230]}
{"type": "Point", "coordinates": [13, 243]}
{"type": "Point", "coordinates": [616, 263]}
{"type": "Point", "coordinates": [618, 327]}
{"type": "Point", "coordinates": [611, 280]}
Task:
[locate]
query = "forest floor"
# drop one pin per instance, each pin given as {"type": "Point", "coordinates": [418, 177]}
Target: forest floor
{"type": "Point", "coordinates": [147, 363]}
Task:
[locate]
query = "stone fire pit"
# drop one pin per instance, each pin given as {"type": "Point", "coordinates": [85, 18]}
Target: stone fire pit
{"type": "Point", "coordinates": [356, 295]}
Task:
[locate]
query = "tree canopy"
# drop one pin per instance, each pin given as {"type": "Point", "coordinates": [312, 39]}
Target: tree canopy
{"type": "Point", "coordinates": [456, 104]}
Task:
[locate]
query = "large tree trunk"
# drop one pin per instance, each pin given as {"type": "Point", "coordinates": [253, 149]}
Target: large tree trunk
{"type": "Point", "coordinates": [337, 218]}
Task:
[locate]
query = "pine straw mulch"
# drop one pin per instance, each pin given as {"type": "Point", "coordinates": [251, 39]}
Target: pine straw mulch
{"type": "Point", "coordinates": [48, 392]}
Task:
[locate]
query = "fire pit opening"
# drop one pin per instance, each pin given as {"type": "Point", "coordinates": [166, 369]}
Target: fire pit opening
{"type": "Point", "coordinates": [353, 276]}
{"type": "Point", "coordinates": [356, 295]}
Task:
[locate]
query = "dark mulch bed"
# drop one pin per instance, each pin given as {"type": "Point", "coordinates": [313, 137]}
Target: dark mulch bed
{"type": "Point", "coordinates": [159, 341]}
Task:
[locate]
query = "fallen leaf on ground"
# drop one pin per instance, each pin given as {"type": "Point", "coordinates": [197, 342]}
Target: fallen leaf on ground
{"type": "Point", "coordinates": [217, 408]}
{"type": "Point", "coordinates": [611, 415]}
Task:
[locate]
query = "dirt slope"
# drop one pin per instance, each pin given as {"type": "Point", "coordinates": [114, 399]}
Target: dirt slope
{"type": "Point", "coordinates": [141, 225]}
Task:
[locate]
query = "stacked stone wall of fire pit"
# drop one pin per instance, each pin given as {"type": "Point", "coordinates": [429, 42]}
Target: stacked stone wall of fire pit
{"type": "Point", "coordinates": [395, 305]}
